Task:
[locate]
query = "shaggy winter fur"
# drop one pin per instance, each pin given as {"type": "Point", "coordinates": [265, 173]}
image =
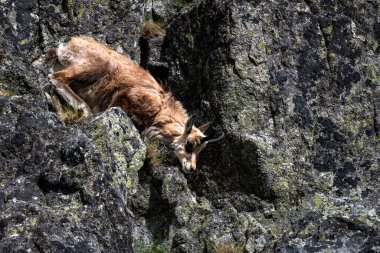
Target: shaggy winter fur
{"type": "Point", "coordinates": [93, 77]}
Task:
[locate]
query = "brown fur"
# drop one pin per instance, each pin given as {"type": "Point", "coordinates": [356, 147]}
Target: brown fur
{"type": "Point", "coordinates": [104, 78]}
{"type": "Point", "coordinates": [97, 78]}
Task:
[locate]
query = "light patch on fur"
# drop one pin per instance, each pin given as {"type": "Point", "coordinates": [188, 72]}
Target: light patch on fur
{"type": "Point", "coordinates": [152, 133]}
{"type": "Point", "coordinates": [197, 133]}
{"type": "Point", "coordinates": [66, 56]}
{"type": "Point", "coordinates": [60, 53]}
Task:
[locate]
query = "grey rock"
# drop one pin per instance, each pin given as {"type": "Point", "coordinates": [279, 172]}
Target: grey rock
{"type": "Point", "coordinates": [121, 147]}
{"type": "Point", "coordinates": [57, 191]}
{"type": "Point", "coordinates": [151, 58]}
{"type": "Point", "coordinates": [293, 86]}
{"type": "Point", "coordinates": [117, 23]}
{"type": "Point", "coordinates": [163, 11]}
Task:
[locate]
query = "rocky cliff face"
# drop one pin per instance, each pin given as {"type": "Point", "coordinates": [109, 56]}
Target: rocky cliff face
{"type": "Point", "coordinates": [293, 84]}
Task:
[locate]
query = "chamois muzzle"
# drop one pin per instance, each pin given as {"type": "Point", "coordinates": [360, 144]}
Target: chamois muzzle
{"type": "Point", "coordinates": [210, 138]}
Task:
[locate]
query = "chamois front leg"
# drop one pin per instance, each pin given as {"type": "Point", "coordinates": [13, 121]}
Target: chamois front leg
{"type": "Point", "coordinates": [67, 94]}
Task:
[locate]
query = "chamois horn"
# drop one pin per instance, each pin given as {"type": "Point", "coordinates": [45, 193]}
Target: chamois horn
{"type": "Point", "coordinates": [209, 138]}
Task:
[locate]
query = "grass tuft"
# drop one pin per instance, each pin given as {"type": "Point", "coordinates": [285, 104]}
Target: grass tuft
{"type": "Point", "coordinates": [66, 113]}
{"type": "Point", "coordinates": [69, 115]}
{"type": "Point", "coordinates": [182, 3]}
{"type": "Point", "coordinates": [154, 249]}
{"type": "Point", "coordinates": [228, 248]}
{"type": "Point", "coordinates": [156, 154]}
{"type": "Point", "coordinates": [5, 92]}
{"type": "Point", "coordinates": [152, 29]}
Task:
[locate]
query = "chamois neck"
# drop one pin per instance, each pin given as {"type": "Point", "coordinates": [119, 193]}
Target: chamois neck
{"type": "Point", "coordinates": [169, 123]}
{"type": "Point", "coordinates": [171, 131]}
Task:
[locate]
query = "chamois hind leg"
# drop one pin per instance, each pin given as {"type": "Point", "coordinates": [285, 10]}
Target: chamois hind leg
{"type": "Point", "coordinates": [60, 82]}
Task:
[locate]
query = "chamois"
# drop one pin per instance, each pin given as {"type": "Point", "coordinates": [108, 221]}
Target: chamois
{"type": "Point", "coordinates": [92, 78]}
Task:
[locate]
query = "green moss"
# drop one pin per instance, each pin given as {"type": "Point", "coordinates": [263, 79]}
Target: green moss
{"type": "Point", "coordinates": [190, 38]}
{"type": "Point", "coordinates": [372, 43]}
{"type": "Point", "coordinates": [323, 54]}
{"type": "Point", "coordinates": [329, 29]}
{"type": "Point", "coordinates": [16, 230]}
{"type": "Point", "coordinates": [357, 125]}
{"type": "Point", "coordinates": [181, 3]}
{"type": "Point", "coordinates": [79, 172]}
{"type": "Point", "coordinates": [228, 248]}
{"type": "Point", "coordinates": [375, 167]}
{"type": "Point", "coordinates": [348, 117]}
{"type": "Point", "coordinates": [119, 43]}
{"type": "Point", "coordinates": [32, 221]}
{"type": "Point", "coordinates": [153, 249]}
{"type": "Point", "coordinates": [23, 42]}
{"type": "Point", "coordinates": [79, 12]}
{"type": "Point", "coordinates": [353, 129]}
{"type": "Point", "coordinates": [298, 41]}
{"type": "Point", "coordinates": [281, 189]}
{"type": "Point", "coordinates": [304, 233]}
{"type": "Point", "coordinates": [359, 145]}
{"type": "Point", "coordinates": [362, 218]}
{"type": "Point", "coordinates": [318, 203]}
{"type": "Point", "coordinates": [28, 224]}
{"type": "Point", "coordinates": [332, 59]}
{"type": "Point", "coordinates": [91, 11]}
{"type": "Point", "coordinates": [284, 184]}
{"type": "Point", "coordinates": [324, 181]}
{"type": "Point", "coordinates": [372, 71]}
{"type": "Point", "coordinates": [72, 211]}
{"type": "Point", "coordinates": [261, 46]}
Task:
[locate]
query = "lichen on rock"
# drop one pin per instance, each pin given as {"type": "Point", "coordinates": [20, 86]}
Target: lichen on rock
{"type": "Point", "coordinates": [120, 146]}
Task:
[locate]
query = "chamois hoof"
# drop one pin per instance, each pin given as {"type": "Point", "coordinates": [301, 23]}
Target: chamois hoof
{"type": "Point", "coordinates": [54, 82]}
{"type": "Point", "coordinates": [86, 115]}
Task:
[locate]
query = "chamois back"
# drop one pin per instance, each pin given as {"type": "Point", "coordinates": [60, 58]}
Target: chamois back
{"type": "Point", "coordinates": [104, 78]}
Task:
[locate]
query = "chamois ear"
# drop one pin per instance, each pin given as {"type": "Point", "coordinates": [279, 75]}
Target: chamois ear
{"type": "Point", "coordinates": [204, 127]}
{"type": "Point", "coordinates": [189, 124]}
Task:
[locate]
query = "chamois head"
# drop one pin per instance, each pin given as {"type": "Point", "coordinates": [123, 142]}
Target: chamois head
{"type": "Point", "coordinates": [191, 143]}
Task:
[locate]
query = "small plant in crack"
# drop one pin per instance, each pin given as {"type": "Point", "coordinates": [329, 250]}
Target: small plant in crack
{"type": "Point", "coordinates": [156, 154]}
{"type": "Point", "coordinates": [152, 29]}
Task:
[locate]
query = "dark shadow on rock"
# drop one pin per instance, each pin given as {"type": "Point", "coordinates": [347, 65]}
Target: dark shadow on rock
{"type": "Point", "coordinates": [151, 58]}
{"type": "Point", "coordinates": [63, 185]}
{"type": "Point", "coordinates": [233, 165]}
{"type": "Point", "coordinates": [158, 213]}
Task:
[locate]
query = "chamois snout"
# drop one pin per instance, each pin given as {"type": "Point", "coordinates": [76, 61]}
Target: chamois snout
{"type": "Point", "coordinates": [188, 161]}
{"type": "Point", "coordinates": [188, 167]}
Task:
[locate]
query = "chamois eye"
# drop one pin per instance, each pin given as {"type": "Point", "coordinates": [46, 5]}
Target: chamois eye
{"type": "Point", "coordinates": [189, 146]}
